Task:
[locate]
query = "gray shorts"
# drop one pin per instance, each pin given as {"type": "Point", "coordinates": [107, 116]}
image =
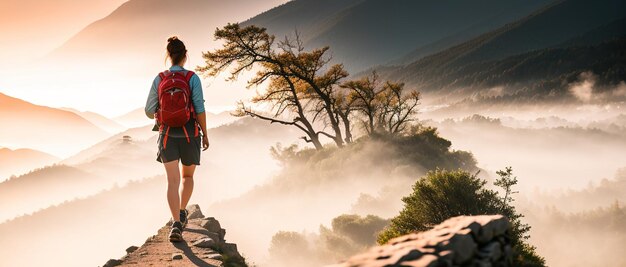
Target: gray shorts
{"type": "Point", "coordinates": [177, 148]}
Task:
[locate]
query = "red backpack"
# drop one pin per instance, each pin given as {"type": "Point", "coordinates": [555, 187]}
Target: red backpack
{"type": "Point", "coordinates": [175, 106]}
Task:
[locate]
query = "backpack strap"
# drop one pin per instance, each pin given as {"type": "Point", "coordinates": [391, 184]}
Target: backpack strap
{"type": "Point", "coordinates": [165, 138]}
{"type": "Point", "coordinates": [186, 134]}
{"type": "Point", "coordinates": [164, 74]}
{"type": "Point", "coordinates": [188, 75]}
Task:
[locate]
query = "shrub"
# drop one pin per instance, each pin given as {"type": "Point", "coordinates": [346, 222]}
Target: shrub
{"type": "Point", "coordinates": [444, 194]}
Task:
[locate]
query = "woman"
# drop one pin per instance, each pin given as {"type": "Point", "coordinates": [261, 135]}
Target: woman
{"type": "Point", "coordinates": [179, 143]}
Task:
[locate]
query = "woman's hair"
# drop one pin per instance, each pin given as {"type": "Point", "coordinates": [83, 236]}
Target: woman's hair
{"type": "Point", "coordinates": [176, 50]}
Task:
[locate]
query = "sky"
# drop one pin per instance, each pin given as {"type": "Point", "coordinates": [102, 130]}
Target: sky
{"type": "Point", "coordinates": [100, 82]}
{"type": "Point", "coordinates": [33, 28]}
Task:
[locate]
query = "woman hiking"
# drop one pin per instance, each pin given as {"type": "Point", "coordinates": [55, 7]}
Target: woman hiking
{"type": "Point", "coordinates": [177, 103]}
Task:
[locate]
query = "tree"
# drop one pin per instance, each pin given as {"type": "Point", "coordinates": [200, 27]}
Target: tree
{"type": "Point", "coordinates": [363, 98]}
{"type": "Point", "coordinates": [444, 194]}
{"type": "Point", "coordinates": [301, 85]}
{"type": "Point", "coordinates": [304, 90]}
{"type": "Point", "coordinates": [387, 107]}
{"type": "Point", "coordinates": [398, 107]}
{"type": "Point", "coordinates": [526, 252]}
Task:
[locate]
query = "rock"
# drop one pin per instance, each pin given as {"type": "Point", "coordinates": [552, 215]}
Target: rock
{"type": "Point", "coordinates": [206, 242]}
{"type": "Point", "coordinates": [463, 246]}
{"type": "Point", "coordinates": [411, 254]}
{"type": "Point", "coordinates": [459, 241]}
{"type": "Point", "coordinates": [491, 226]}
{"type": "Point", "coordinates": [222, 233]}
{"type": "Point", "coordinates": [131, 249]}
{"type": "Point", "coordinates": [230, 249]}
{"type": "Point", "coordinates": [427, 260]}
{"type": "Point", "coordinates": [177, 256]}
{"type": "Point", "coordinates": [492, 251]}
{"type": "Point", "coordinates": [213, 256]}
{"type": "Point", "coordinates": [194, 212]}
{"type": "Point", "coordinates": [112, 262]}
{"type": "Point", "coordinates": [219, 239]}
{"type": "Point", "coordinates": [211, 224]}
{"type": "Point", "coordinates": [143, 253]}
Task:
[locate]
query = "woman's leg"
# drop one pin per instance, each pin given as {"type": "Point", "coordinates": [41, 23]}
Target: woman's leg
{"type": "Point", "coordinates": [173, 182]}
{"type": "Point", "coordinates": [185, 192]}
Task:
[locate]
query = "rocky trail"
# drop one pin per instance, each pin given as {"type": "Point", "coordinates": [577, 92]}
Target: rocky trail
{"type": "Point", "coordinates": [204, 245]}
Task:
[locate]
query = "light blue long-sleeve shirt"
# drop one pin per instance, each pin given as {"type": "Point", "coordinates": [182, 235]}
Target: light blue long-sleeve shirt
{"type": "Point", "coordinates": [197, 97]}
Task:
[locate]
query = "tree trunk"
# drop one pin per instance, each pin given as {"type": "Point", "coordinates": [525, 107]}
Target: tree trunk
{"type": "Point", "coordinates": [346, 123]}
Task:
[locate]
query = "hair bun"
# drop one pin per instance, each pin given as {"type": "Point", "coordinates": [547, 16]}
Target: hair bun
{"type": "Point", "coordinates": [169, 40]}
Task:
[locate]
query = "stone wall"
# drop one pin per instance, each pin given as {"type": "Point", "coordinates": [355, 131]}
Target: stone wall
{"type": "Point", "coordinates": [459, 241]}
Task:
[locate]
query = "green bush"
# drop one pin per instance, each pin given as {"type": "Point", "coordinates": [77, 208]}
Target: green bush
{"type": "Point", "coordinates": [420, 146]}
{"type": "Point", "coordinates": [444, 194]}
{"type": "Point", "coordinates": [361, 230]}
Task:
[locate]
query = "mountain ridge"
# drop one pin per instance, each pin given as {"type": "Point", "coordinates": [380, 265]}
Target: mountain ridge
{"type": "Point", "coordinates": [107, 124]}
{"type": "Point", "coordinates": [460, 67]}
{"type": "Point", "coordinates": [21, 114]}
{"type": "Point", "coordinates": [18, 161]}
{"type": "Point", "coordinates": [352, 31]}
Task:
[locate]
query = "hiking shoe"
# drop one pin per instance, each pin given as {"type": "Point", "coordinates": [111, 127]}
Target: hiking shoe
{"type": "Point", "coordinates": [176, 234]}
{"type": "Point", "coordinates": [183, 217]}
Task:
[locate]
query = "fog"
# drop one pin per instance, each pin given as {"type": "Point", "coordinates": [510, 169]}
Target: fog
{"type": "Point", "coordinates": [548, 157]}
{"type": "Point", "coordinates": [66, 202]}
{"type": "Point", "coordinates": [567, 165]}
{"type": "Point", "coordinates": [589, 223]}
{"type": "Point", "coordinates": [569, 159]}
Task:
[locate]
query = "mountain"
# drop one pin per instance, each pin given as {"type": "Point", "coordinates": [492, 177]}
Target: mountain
{"type": "Point", "coordinates": [386, 30]}
{"type": "Point", "coordinates": [55, 131]}
{"type": "Point", "coordinates": [545, 74]}
{"type": "Point", "coordinates": [84, 227]}
{"type": "Point", "coordinates": [137, 118]}
{"type": "Point", "coordinates": [134, 118]}
{"type": "Point", "coordinates": [18, 161]}
{"type": "Point", "coordinates": [45, 187]}
{"type": "Point", "coordinates": [139, 29]}
{"type": "Point", "coordinates": [93, 152]}
{"type": "Point", "coordinates": [103, 122]}
{"type": "Point", "coordinates": [83, 174]}
{"type": "Point", "coordinates": [33, 28]}
{"type": "Point", "coordinates": [552, 45]}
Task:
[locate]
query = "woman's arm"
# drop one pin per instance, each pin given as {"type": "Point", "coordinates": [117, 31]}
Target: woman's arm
{"type": "Point", "coordinates": [202, 122]}
{"type": "Point", "coordinates": [197, 99]}
{"type": "Point", "coordinates": [153, 98]}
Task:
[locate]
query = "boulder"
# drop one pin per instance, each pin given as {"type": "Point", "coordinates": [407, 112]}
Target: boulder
{"type": "Point", "coordinates": [211, 224]}
{"type": "Point", "coordinates": [230, 250]}
{"type": "Point", "coordinates": [177, 256]}
{"type": "Point", "coordinates": [213, 256]}
{"type": "Point", "coordinates": [112, 262]}
{"type": "Point", "coordinates": [459, 241]}
{"type": "Point", "coordinates": [206, 242]}
{"type": "Point", "coordinates": [194, 212]}
{"type": "Point", "coordinates": [131, 249]}
{"type": "Point", "coordinates": [462, 246]}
